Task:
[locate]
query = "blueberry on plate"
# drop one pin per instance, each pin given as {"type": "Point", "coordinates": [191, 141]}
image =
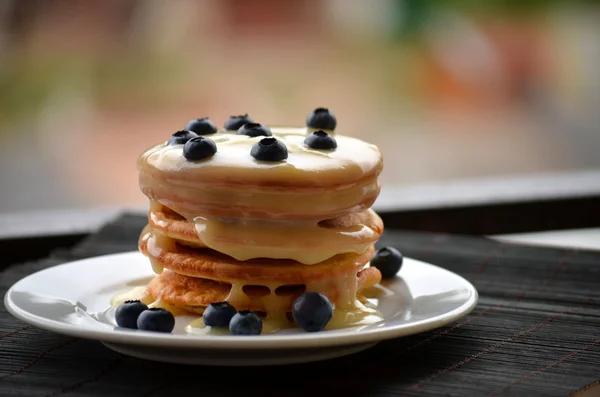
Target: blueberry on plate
{"type": "Point", "coordinates": [388, 260]}
{"type": "Point", "coordinates": [254, 129]}
{"type": "Point", "coordinates": [218, 314]}
{"type": "Point", "coordinates": [156, 319]}
{"type": "Point", "coordinates": [245, 322]}
{"type": "Point", "coordinates": [199, 148]}
{"type": "Point", "coordinates": [312, 311]}
{"type": "Point", "coordinates": [234, 123]}
{"type": "Point", "coordinates": [269, 149]}
{"type": "Point", "coordinates": [320, 140]}
{"type": "Point", "coordinates": [181, 137]}
{"type": "Point", "coordinates": [321, 118]}
{"type": "Point", "coordinates": [128, 312]}
{"type": "Point", "coordinates": [201, 126]}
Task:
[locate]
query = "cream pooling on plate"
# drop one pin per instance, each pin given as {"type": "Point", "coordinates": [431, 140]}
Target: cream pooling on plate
{"type": "Point", "coordinates": [277, 205]}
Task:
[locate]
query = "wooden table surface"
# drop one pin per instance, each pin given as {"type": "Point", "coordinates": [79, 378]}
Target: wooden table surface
{"type": "Point", "coordinates": [559, 210]}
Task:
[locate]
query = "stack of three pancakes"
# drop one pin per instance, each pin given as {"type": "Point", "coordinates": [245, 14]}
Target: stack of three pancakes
{"type": "Point", "coordinates": [259, 234]}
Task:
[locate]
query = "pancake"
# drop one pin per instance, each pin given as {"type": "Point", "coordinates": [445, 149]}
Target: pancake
{"type": "Point", "coordinates": [257, 233]}
{"type": "Point", "coordinates": [349, 233]}
{"type": "Point", "coordinates": [309, 185]}
{"type": "Point", "coordinates": [194, 294]}
{"type": "Point", "coordinates": [213, 265]}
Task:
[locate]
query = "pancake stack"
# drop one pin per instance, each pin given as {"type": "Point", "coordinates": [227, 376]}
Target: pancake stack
{"type": "Point", "coordinates": [258, 232]}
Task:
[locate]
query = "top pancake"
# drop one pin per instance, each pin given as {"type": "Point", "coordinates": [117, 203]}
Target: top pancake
{"type": "Point", "coordinates": [309, 184]}
{"type": "Point", "coordinates": [350, 162]}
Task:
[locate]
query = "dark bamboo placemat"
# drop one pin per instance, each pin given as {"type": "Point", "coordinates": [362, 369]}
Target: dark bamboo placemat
{"type": "Point", "coordinates": [535, 332]}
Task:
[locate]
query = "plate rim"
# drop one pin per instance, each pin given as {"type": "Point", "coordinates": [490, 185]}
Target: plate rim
{"type": "Point", "coordinates": [307, 340]}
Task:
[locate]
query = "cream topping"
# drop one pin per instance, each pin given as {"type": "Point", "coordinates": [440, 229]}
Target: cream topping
{"type": "Point", "coordinates": [245, 239]}
{"type": "Point", "coordinates": [300, 241]}
{"type": "Point", "coordinates": [351, 160]}
{"type": "Point", "coordinates": [309, 184]}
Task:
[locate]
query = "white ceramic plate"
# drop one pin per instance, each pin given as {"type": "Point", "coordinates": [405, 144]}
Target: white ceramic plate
{"type": "Point", "coordinates": [73, 299]}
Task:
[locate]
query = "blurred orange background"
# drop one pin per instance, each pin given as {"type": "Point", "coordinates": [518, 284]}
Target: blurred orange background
{"type": "Point", "coordinates": [447, 89]}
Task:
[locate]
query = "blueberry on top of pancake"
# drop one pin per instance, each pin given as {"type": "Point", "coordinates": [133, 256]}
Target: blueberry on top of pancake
{"type": "Point", "coordinates": [181, 137]}
{"type": "Point", "coordinates": [234, 123]}
{"type": "Point", "coordinates": [202, 126]}
{"type": "Point", "coordinates": [254, 129]}
{"type": "Point", "coordinates": [199, 148]}
{"type": "Point", "coordinates": [269, 149]}
{"type": "Point", "coordinates": [320, 140]}
{"type": "Point", "coordinates": [321, 118]}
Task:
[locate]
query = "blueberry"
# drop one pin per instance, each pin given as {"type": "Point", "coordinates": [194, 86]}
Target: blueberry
{"type": "Point", "coordinates": [245, 322]}
{"type": "Point", "coordinates": [218, 314]}
{"type": "Point", "coordinates": [181, 137]}
{"type": "Point", "coordinates": [199, 148]}
{"type": "Point", "coordinates": [321, 118]}
{"type": "Point", "coordinates": [234, 123]}
{"type": "Point", "coordinates": [269, 149]}
{"type": "Point", "coordinates": [388, 260]}
{"type": "Point", "coordinates": [312, 311]}
{"type": "Point", "coordinates": [128, 312]}
{"type": "Point", "coordinates": [320, 140]}
{"type": "Point", "coordinates": [254, 129]}
{"type": "Point", "coordinates": [156, 319]}
{"type": "Point", "coordinates": [201, 126]}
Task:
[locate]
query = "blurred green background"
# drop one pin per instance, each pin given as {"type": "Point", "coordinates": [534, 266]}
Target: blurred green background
{"type": "Point", "coordinates": [448, 89]}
